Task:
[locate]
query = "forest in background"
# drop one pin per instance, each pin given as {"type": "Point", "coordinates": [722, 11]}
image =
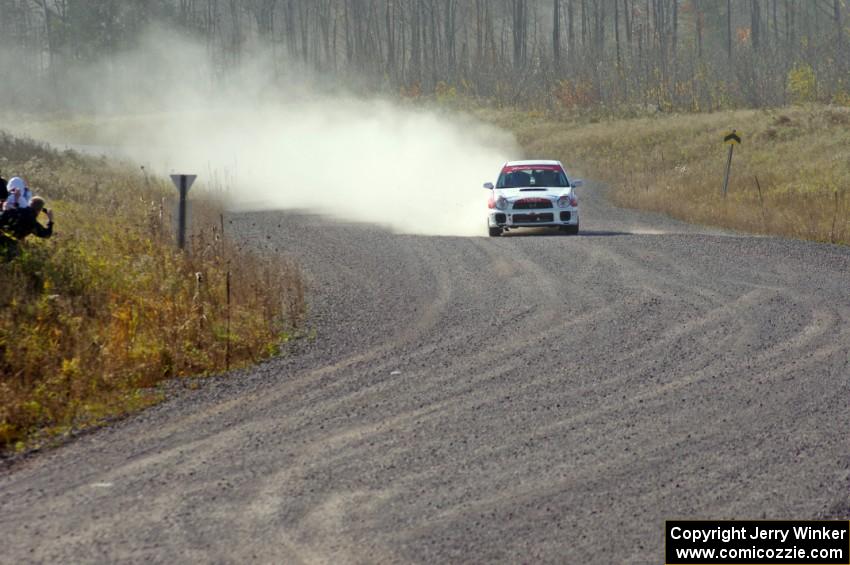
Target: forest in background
{"type": "Point", "coordinates": [619, 55]}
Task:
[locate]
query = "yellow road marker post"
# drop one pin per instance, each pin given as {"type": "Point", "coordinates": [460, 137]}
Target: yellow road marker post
{"type": "Point", "coordinates": [731, 139]}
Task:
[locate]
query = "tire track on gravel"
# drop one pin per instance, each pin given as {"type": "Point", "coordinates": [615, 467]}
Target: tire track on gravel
{"type": "Point", "coordinates": [554, 399]}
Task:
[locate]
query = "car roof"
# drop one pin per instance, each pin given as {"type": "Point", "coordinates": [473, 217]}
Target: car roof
{"type": "Point", "coordinates": [531, 162]}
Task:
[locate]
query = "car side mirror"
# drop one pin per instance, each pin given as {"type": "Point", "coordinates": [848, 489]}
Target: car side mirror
{"type": "Point", "coordinates": [488, 185]}
{"type": "Point", "coordinates": [576, 183]}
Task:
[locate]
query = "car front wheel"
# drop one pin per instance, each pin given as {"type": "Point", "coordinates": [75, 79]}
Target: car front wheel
{"type": "Point", "coordinates": [494, 232]}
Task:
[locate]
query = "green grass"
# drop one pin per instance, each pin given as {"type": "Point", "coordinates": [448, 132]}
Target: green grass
{"type": "Point", "coordinates": [93, 318]}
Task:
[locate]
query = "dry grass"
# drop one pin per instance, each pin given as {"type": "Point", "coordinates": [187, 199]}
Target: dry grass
{"type": "Point", "coordinates": [675, 164]}
{"type": "Point", "coordinates": [93, 317]}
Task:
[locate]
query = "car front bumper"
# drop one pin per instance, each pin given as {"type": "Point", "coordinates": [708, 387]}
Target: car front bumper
{"type": "Point", "coordinates": [532, 218]}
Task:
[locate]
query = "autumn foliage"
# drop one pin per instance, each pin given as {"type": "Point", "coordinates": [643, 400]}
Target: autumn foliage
{"type": "Point", "coordinates": [94, 317]}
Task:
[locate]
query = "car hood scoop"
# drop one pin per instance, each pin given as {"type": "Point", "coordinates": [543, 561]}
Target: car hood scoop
{"type": "Point", "coordinates": [537, 191]}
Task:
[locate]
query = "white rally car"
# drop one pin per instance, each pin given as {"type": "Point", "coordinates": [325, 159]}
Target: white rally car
{"type": "Point", "coordinates": [532, 194]}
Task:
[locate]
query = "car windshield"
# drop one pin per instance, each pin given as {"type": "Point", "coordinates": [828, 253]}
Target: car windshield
{"type": "Point", "coordinates": [532, 176]}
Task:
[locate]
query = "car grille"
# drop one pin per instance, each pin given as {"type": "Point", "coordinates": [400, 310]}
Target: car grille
{"type": "Point", "coordinates": [565, 216]}
{"type": "Point", "coordinates": [532, 218]}
{"type": "Point", "coordinates": [533, 204]}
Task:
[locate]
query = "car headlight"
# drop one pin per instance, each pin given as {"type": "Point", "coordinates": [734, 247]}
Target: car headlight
{"type": "Point", "coordinates": [567, 200]}
{"type": "Point", "coordinates": [501, 203]}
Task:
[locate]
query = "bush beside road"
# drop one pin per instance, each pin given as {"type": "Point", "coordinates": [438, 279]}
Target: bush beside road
{"type": "Point", "coordinates": [94, 317]}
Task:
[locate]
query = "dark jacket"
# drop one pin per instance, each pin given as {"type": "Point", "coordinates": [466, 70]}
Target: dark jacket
{"type": "Point", "coordinates": [4, 193]}
{"type": "Point", "coordinates": [21, 222]}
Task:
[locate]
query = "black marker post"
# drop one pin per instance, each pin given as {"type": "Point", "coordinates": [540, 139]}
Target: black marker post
{"type": "Point", "coordinates": [183, 184]}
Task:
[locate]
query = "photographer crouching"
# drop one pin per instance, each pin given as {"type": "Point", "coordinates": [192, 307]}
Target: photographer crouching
{"type": "Point", "coordinates": [17, 223]}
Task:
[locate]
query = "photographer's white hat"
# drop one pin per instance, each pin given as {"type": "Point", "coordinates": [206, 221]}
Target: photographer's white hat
{"type": "Point", "coordinates": [19, 194]}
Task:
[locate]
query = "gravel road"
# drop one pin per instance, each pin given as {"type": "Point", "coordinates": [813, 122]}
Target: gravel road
{"type": "Point", "coordinates": [517, 399]}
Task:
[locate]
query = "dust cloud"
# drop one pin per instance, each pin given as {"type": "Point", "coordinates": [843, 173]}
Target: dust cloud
{"type": "Point", "coordinates": [291, 142]}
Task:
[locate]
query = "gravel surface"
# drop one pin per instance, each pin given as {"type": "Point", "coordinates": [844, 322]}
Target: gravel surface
{"type": "Point", "coordinates": [517, 399]}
